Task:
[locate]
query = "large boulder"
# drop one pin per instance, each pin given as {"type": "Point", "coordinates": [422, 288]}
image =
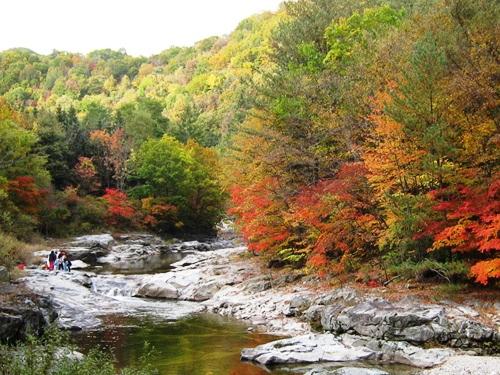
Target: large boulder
{"type": "Point", "coordinates": [85, 254]}
{"type": "Point", "coordinates": [347, 371]}
{"type": "Point", "coordinates": [412, 322]}
{"type": "Point", "coordinates": [23, 316]}
{"type": "Point", "coordinates": [94, 240]}
{"type": "Point", "coordinates": [155, 290]}
{"type": "Point", "coordinates": [312, 348]}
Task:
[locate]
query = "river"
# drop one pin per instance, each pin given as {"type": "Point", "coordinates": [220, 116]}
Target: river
{"type": "Point", "coordinates": [199, 345]}
{"type": "Point", "coordinates": [97, 305]}
{"type": "Point", "coordinates": [133, 289]}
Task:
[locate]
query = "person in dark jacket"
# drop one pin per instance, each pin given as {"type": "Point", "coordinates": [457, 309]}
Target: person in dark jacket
{"type": "Point", "coordinates": [51, 260]}
{"type": "Point", "coordinates": [67, 264]}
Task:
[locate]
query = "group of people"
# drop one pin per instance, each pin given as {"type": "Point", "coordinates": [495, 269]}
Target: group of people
{"type": "Point", "coordinates": [58, 261]}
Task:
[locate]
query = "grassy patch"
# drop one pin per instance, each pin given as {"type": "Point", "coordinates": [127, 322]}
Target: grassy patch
{"type": "Point", "coordinates": [13, 251]}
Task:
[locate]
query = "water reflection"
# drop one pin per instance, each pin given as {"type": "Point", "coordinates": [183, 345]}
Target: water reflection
{"type": "Point", "coordinates": [154, 263]}
{"type": "Point", "coordinates": [199, 345]}
{"type": "Point", "coordinates": [204, 344]}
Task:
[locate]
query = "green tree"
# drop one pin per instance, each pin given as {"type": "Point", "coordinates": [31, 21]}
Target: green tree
{"type": "Point", "coordinates": [184, 176]}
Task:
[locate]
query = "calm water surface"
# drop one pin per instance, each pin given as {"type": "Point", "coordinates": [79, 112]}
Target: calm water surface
{"type": "Point", "coordinates": [205, 344]}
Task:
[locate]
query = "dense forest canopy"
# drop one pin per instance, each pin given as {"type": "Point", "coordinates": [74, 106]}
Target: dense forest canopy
{"type": "Point", "coordinates": [344, 137]}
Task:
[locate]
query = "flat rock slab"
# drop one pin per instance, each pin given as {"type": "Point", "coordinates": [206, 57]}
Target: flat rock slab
{"type": "Point", "coordinates": [347, 371]}
{"type": "Point", "coordinates": [312, 348]}
{"type": "Point", "coordinates": [406, 321]}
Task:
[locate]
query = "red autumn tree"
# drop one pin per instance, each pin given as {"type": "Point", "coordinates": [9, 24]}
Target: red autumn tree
{"type": "Point", "coordinates": [340, 218]}
{"type": "Point", "coordinates": [258, 214]}
{"type": "Point", "coordinates": [470, 224]}
{"type": "Point", "coordinates": [120, 210]}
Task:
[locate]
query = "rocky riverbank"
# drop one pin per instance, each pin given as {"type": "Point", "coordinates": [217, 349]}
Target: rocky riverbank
{"type": "Point", "coordinates": [328, 326]}
{"type": "Point", "coordinates": [22, 312]}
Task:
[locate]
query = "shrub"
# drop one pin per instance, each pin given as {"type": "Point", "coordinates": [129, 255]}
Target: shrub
{"type": "Point", "coordinates": [13, 251]}
{"type": "Point", "coordinates": [452, 271]}
{"type": "Point", "coordinates": [54, 354]}
{"type": "Point", "coordinates": [159, 215]}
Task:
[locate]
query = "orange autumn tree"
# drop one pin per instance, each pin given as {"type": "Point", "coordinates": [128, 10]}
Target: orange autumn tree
{"type": "Point", "coordinates": [470, 225]}
{"type": "Point", "coordinates": [391, 158]}
{"type": "Point", "coordinates": [87, 175]}
{"type": "Point", "coordinates": [159, 216]}
{"type": "Point", "coordinates": [114, 152]}
{"type": "Point", "coordinates": [26, 195]}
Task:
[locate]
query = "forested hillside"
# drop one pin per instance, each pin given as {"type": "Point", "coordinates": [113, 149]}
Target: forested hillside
{"type": "Point", "coordinates": [349, 138]}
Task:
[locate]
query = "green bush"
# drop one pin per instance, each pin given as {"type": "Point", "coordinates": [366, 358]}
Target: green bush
{"type": "Point", "coordinates": [91, 210]}
{"type": "Point", "coordinates": [53, 354]}
{"type": "Point", "coordinates": [452, 271]}
{"type": "Point", "coordinates": [68, 213]}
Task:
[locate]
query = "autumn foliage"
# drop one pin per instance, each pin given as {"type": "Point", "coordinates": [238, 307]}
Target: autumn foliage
{"type": "Point", "coordinates": [120, 211]}
{"type": "Point", "coordinates": [258, 211]}
{"type": "Point", "coordinates": [470, 224]}
{"type": "Point", "coordinates": [341, 217]}
{"type": "Point", "coordinates": [159, 216]}
{"type": "Point", "coordinates": [87, 175]}
{"type": "Point", "coordinates": [334, 220]}
{"type": "Point", "coordinates": [26, 194]}
{"type": "Point", "coordinates": [375, 141]}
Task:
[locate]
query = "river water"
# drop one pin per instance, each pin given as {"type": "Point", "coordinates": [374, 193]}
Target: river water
{"type": "Point", "coordinates": [202, 344]}
{"type": "Point", "coordinates": [187, 341]}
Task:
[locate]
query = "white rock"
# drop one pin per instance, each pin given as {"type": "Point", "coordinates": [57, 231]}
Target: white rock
{"type": "Point", "coordinates": [103, 240]}
{"type": "Point", "coordinates": [312, 348]}
{"type": "Point", "coordinates": [78, 264]}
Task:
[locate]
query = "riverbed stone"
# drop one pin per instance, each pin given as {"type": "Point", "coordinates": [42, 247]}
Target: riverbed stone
{"type": "Point", "coordinates": [23, 315]}
{"type": "Point", "coordinates": [305, 349]}
{"type": "Point", "coordinates": [297, 305]}
{"type": "Point", "coordinates": [406, 321]}
{"type": "Point", "coordinates": [78, 265]}
{"type": "Point", "coordinates": [94, 240]}
{"type": "Point", "coordinates": [85, 254]}
{"type": "Point", "coordinates": [153, 290]}
{"type": "Point", "coordinates": [347, 371]}
{"type": "Point", "coordinates": [258, 284]}
{"type": "Point", "coordinates": [313, 348]}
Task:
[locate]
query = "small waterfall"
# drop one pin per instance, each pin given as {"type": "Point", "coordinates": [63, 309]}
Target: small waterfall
{"type": "Point", "coordinates": [113, 286]}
